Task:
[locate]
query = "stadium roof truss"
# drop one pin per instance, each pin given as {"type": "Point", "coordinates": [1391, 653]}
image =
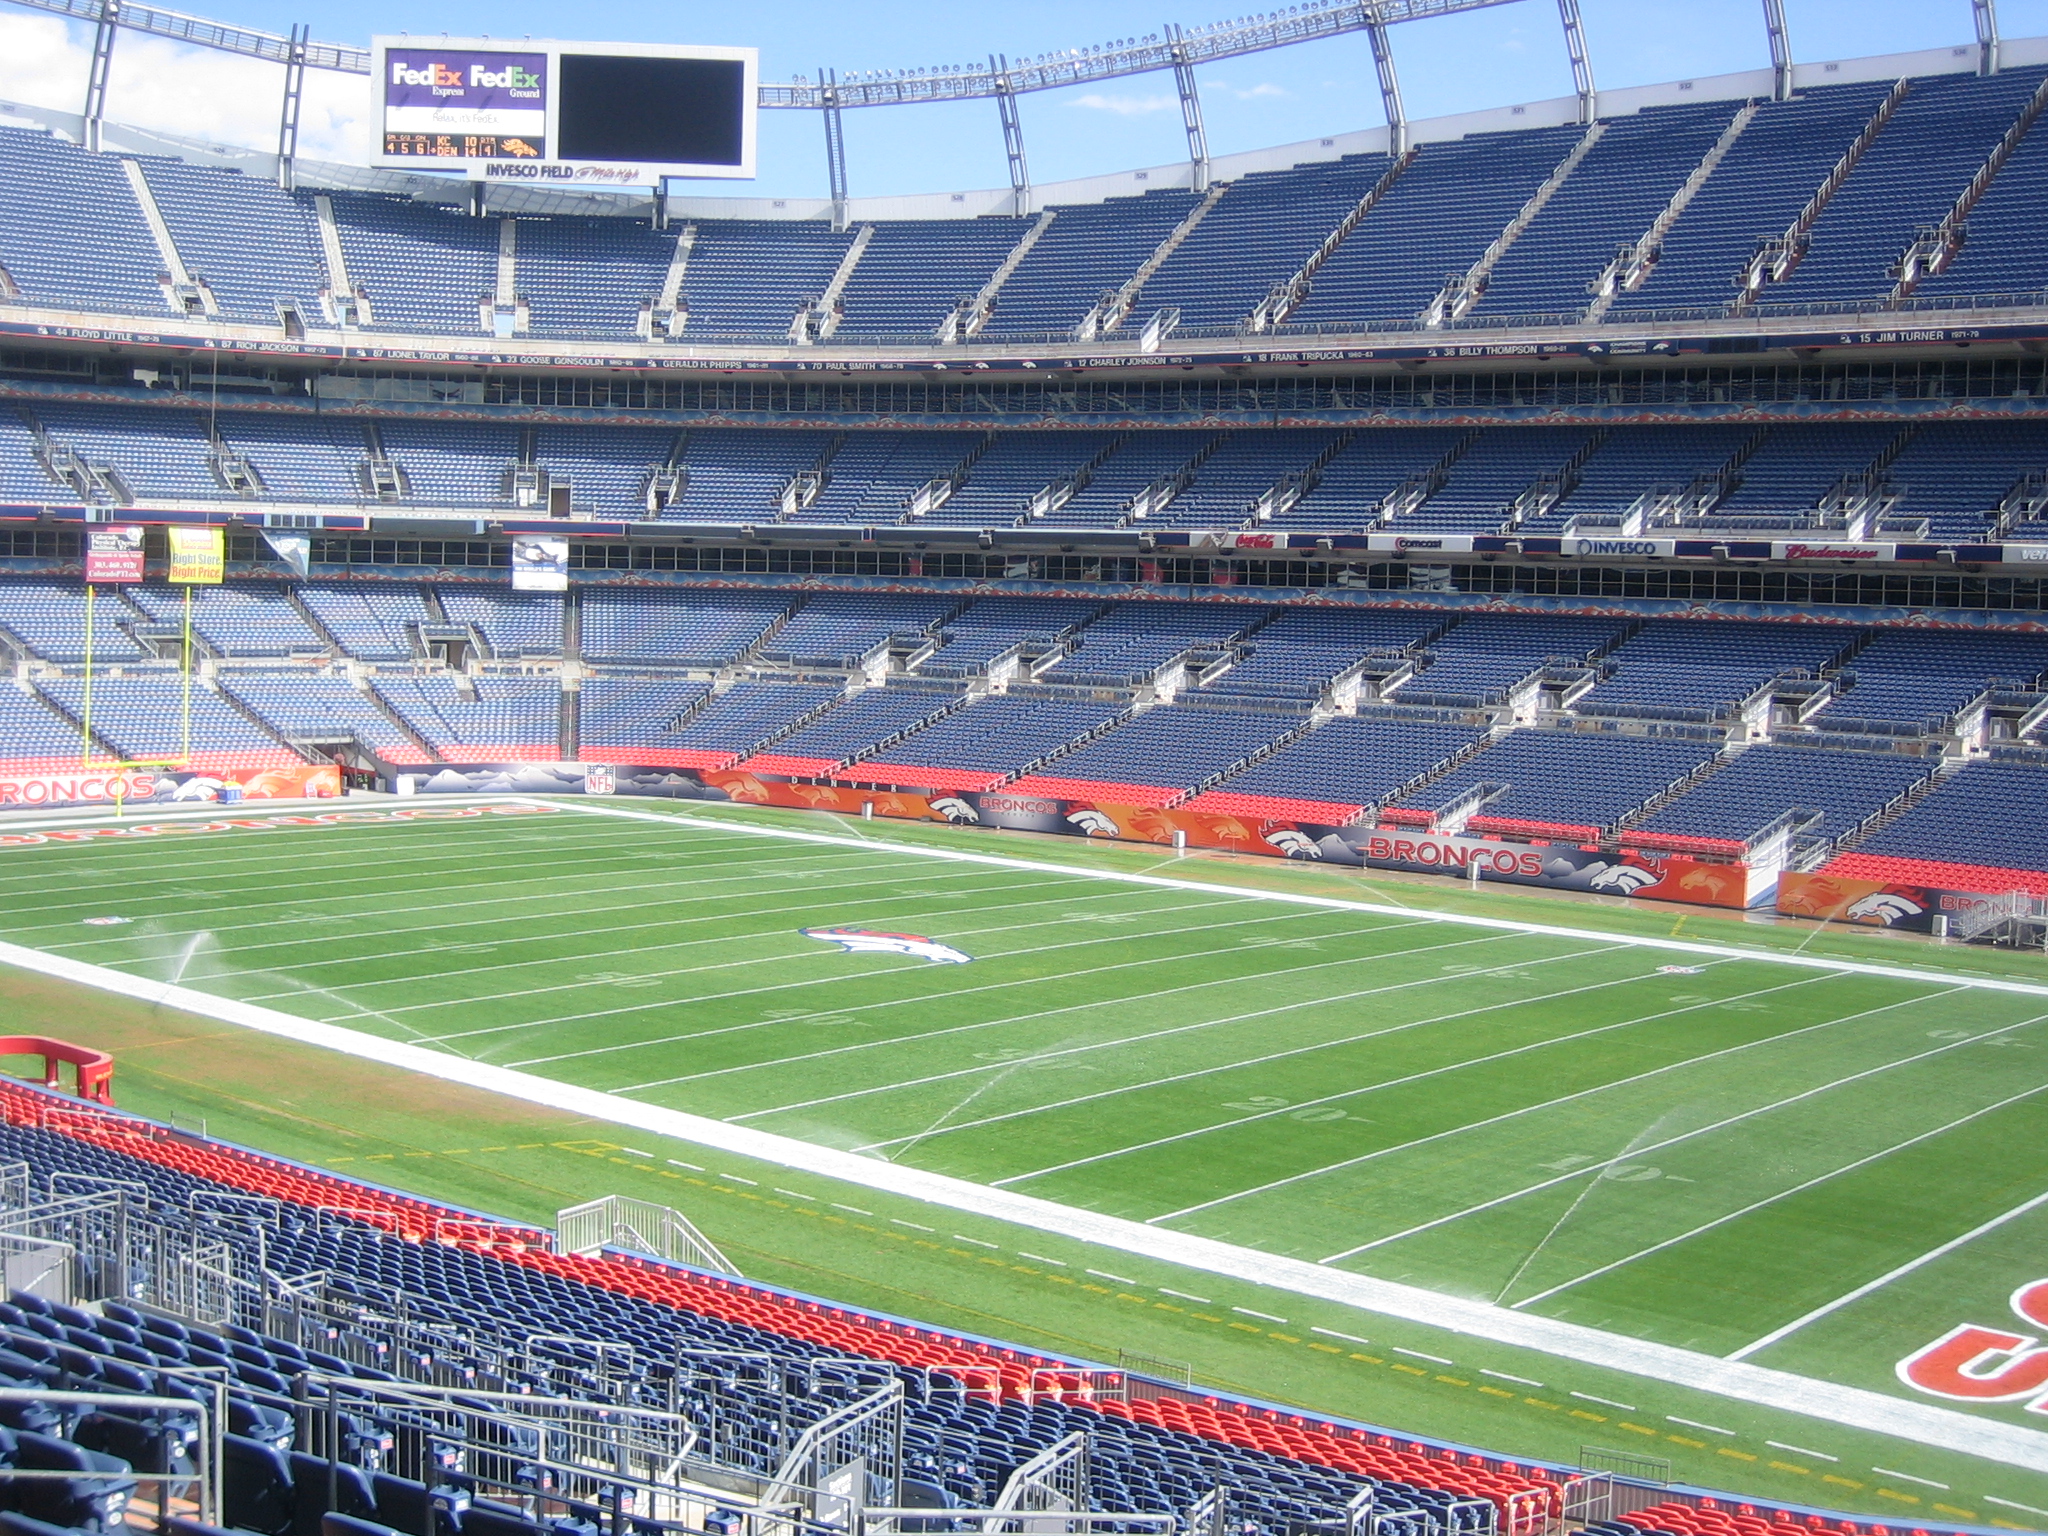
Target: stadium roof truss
{"type": "Point", "coordinates": [1174, 48]}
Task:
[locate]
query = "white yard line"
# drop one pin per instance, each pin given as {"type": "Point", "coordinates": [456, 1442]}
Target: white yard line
{"type": "Point", "coordinates": [1239, 1063]}
{"type": "Point", "coordinates": [615, 929]}
{"type": "Point", "coordinates": [1783, 1194]}
{"type": "Point", "coordinates": [1868, 1287]}
{"type": "Point", "coordinates": [1672, 1141]}
{"type": "Point", "coordinates": [288, 865]}
{"type": "Point", "coordinates": [812, 947]}
{"type": "Point", "coordinates": [1352, 1093]}
{"type": "Point", "coordinates": [1532, 1109]}
{"type": "Point", "coordinates": [1942, 1428]}
{"type": "Point", "coordinates": [1928, 1424]}
{"type": "Point", "coordinates": [923, 1035]}
{"type": "Point", "coordinates": [1340, 904]}
{"type": "Point", "coordinates": [1151, 996]}
{"type": "Point", "coordinates": [1319, 1001]}
{"type": "Point", "coordinates": [643, 901]}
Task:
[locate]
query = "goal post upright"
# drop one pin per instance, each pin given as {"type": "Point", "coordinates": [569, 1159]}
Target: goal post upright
{"type": "Point", "coordinates": [85, 709]}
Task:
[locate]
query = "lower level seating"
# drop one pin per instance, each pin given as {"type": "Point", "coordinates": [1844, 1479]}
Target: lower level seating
{"type": "Point", "coordinates": [1986, 815]}
{"type": "Point", "coordinates": [974, 1410]}
{"type": "Point", "coordinates": [1561, 783]}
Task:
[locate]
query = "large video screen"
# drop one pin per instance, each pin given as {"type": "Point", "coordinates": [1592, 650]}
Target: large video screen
{"type": "Point", "coordinates": [595, 114]}
{"type": "Point", "coordinates": [665, 111]}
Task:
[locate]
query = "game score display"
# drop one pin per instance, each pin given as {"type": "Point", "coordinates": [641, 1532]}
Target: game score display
{"type": "Point", "coordinates": [595, 114]}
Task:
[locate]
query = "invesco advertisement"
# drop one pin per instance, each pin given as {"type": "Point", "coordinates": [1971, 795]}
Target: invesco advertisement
{"type": "Point", "coordinates": [546, 112]}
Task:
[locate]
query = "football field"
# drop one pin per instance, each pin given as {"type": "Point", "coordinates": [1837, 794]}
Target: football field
{"type": "Point", "coordinates": [1722, 1143]}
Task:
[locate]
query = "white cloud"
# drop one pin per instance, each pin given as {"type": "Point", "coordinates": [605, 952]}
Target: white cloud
{"type": "Point", "coordinates": [172, 88]}
{"type": "Point", "coordinates": [1264, 90]}
{"type": "Point", "coordinates": [1127, 106]}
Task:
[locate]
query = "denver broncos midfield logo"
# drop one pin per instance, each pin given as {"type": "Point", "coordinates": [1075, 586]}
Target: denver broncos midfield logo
{"type": "Point", "coordinates": [869, 941]}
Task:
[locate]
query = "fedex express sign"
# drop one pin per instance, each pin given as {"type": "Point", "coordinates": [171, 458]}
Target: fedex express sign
{"type": "Point", "coordinates": [1975, 1364]}
{"type": "Point", "coordinates": [464, 104]}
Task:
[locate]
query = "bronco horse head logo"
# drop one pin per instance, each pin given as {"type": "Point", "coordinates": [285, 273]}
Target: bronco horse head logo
{"type": "Point", "coordinates": [869, 941]}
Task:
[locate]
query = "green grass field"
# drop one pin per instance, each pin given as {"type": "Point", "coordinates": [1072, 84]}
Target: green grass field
{"type": "Point", "coordinates": [1717, 1151]}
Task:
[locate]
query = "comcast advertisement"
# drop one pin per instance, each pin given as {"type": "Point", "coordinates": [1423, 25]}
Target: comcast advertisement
{"type": "Point", "coordinates": [599, 114]}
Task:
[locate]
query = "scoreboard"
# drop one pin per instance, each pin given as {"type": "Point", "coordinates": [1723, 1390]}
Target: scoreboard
{"type": "Point", "coordinates": [556, 113]}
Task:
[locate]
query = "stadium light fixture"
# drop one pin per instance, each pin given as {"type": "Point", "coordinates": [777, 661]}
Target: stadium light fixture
{"type": "Point", "coordinates": [875, 88]}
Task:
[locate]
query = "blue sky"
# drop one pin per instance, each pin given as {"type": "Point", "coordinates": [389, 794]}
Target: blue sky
{"type": "Point", "coordinates": [1493, 57]}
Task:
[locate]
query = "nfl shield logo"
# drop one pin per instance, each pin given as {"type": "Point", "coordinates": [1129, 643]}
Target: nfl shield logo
{"type": "Point", "coordinates": [599, 779]}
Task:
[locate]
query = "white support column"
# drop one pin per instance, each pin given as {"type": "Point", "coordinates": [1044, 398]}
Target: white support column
{"type": "Point", "coordinates": [1390, 82]}
{"type": "Point", "coordinates": [1582, 64]}
{"type": "Point", "coordinates": [1190, 106]}
{"type": "Point", "coordinates": [1781, 50]}
{"type": "Point", "coordinates": [1985, 13]}
{"type": "Point", "coordinates": [1013, 133]}
{"type": "Point", "coordinates": [288, 116]}
{"type": "Point", "coordinates": [835, 144]}
{"type": "Point", "coordinates": [96, 79]}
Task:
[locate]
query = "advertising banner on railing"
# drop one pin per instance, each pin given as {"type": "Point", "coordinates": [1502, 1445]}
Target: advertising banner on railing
{"type": "Point", "coordinates": [1876, 903]}
{"type": "Point", "coordinates": [114, 554]}
{"type": "Point", "coordinates": [1551, 866]}
{"type": "Point", "coordinates": [106, 784]}
{"type": "Point", "coordinates": [198, 555]}
{"type": "Point", "coordinates": [540, 563]}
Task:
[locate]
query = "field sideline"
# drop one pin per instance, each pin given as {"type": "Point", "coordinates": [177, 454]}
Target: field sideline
{"type": "Point", "coordinates": [1661, 1156]}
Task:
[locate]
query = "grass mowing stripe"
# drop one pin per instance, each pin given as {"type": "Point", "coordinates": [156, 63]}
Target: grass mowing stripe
{"type": "Point", "coordinates": [639, 949]}
{"type": "Point", "coordinates": [1784, 1194]}
{"type": "Point", "coordinates": [1869, 1287]}
{"type": "Point", "coordinates": [480, 999]}
{"type": "Point", "coordinates": [294, 870]}
{"type": "Point", "coordinates": [581, 985]}
{"type": "Point", "coordinates": [1939, 1427]}
{"type": "Point", "coordinates": [120, 871]}
{"type": "Point", "coordinates": [833, 980]}
{"type": "Point", "coordinates": [640, 903]}
{"type": "Point", "coordinates": [637, 904]}
{"type": "Point", "coordinates": [1271, 1056]}
{"type": "Point", "coordinates": [1297, 1107]}
{"type": "Point", "coordinates": [955, 1029]}
{"type": "Point", "coordinates": [1719, 1125]}
{"type": "Point", "coordinates": [1300, 898]}
{"type": "Point", "coordinates": [1528, 1109]}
